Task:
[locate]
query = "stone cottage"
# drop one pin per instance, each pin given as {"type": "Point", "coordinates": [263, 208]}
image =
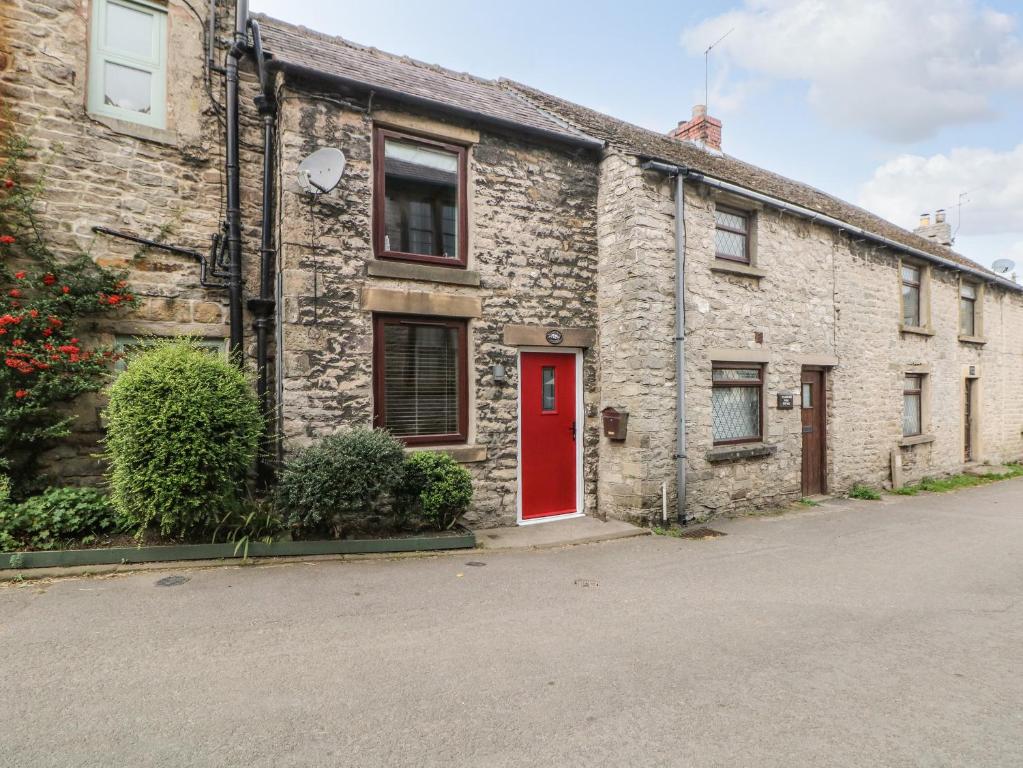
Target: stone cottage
{"type": "Point", "coordinates": [496, 273]}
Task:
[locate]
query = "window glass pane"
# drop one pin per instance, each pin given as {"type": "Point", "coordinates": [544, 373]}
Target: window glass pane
{"type": "Point", "coordinates": [968, 291]}
{"type": "Point", "coordinates": [736, 413]}
{"type": "Point", "coordinates": [420, 379]}
{"type": "Point", "coordinates": [730, 245]}
{"type": "Point", "coordinates": [911, 415]}
{"type": "Point", "coordinates": [807, 400]}
{"type": "Point", "coordinates": [912, 383]}
{"type": "Point", "coordinates": [126, 87]}
{"type": "Point", "coordinates": [130, 31]}
{"type": "Point", "coordinates": [729, 220]}
{"type": "Point", "coordinates": [911, 274]}
{"type": "Point", "coordinates": [547, 389]}
{"type": "Point", "coordinates": [421, 208]}
{"type": "Point", "coordinates": [967, 317]}
{"type": "Point", "coordinates": [910, 306]}
{"type": "Point", "coordinates": [736, 374]}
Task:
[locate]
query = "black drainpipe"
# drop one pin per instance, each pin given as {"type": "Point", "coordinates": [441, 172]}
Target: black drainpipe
{"type": "Point", "coordinates": [234, 225]}
{"type": "Point", "coordinates": [263, 307]}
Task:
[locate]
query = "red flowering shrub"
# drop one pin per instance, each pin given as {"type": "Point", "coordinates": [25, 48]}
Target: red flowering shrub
{"type": "Point", "coordinates": [43, 297]}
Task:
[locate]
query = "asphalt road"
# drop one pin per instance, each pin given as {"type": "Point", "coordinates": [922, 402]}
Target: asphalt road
{"type": "Point", "coordinates": [854, 634]}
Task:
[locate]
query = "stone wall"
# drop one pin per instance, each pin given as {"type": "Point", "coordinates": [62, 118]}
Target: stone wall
{"type": "Point", "coordinates": [812, 297]}
{"type": "Point", "coordinates": [531, 242]}
{"type": "Point", "coordinates": [164, 184]}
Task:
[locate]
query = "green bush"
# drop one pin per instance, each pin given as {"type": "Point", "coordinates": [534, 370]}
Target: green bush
{"type": "Point", "coordinates": [337, 486]}
{"type": "Point", "coordinates": [183, 431]}
{"type": "Point", "coordinates": [56, 517]}
{"type": "Point", "coordinates": [434, 490]}
{"type": "Point", "coordinates": [864, 493]}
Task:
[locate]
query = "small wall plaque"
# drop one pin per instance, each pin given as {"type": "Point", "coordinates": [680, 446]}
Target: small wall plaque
{"type": "Point", "coordinates": [554, 336]}
{"type": "Point", "coordinates": [785, 401]}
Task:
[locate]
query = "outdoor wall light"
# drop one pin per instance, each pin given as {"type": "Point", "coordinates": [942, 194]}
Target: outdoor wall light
{"type": "Point", "coordinates": [500, 374]}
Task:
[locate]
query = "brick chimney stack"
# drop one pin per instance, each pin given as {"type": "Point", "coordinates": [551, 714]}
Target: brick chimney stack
{"type": "Point", "coordinates": [940, 231]}
{"type": "Point", "coordinates": [701, 129]}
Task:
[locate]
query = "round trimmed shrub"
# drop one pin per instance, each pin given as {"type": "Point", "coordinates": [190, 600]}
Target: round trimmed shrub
{"type": "Point", "coordinates": [336, 487]}
{"type": "Point", "coordinates": [183, 431]}
{"type": "Point", "coordinates": [434, 490]}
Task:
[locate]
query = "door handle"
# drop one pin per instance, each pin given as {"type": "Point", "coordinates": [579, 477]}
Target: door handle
{"type": "Point", "coordinates": [573, 430]}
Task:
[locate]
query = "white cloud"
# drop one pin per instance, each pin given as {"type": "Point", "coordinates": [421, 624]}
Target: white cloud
{"type": "Point", "coordinates": [899, 69]}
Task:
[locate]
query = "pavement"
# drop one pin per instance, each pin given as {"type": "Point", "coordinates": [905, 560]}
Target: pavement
{"type": "Point", "coordinates": [557, 533]}
{"type": "Point", "coordinates": [850, 634]}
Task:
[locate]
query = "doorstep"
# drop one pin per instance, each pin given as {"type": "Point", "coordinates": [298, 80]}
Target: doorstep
{"type": "Point", "coordinates": [558, 533]}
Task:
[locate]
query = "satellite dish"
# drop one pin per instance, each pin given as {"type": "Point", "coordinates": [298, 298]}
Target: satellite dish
{"type": "Point", "coordinates": [321, 171]}
{"type": "Point", "coordinates": [1003, 266]}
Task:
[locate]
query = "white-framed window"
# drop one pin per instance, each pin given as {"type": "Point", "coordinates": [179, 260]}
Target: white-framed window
{"type": "Point", "coordinates": [128, 61]}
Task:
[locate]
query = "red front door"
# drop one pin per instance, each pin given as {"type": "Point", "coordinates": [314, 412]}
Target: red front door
{"type": "Point", "coordinates": [548, 434]}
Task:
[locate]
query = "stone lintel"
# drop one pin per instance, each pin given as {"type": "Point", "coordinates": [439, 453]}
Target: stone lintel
{"type": "Point", "coordinates": [405, 270]}
{"type": "Point", "coordinates": [824, 361]}
{"type": "Point", "coordinates": [735, 452]}
{"type": "Point", "coordinates": [418, 303]}
{"type": "Point", "coordinates": [722, 355]}
{"type": "Point", "coordinates": [536, 336]}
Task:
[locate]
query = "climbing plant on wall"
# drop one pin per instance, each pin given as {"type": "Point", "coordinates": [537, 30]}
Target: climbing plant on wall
{"type": "Point", "coordinates": [45, 293]}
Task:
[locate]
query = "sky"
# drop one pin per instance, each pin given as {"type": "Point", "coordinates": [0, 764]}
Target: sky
{"type": "Point", "coordinates": [900, 106]}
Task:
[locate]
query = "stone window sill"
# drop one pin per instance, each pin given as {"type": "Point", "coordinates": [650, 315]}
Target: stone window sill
{"type": "Point", "coordinates": [740, 451]}
{"type": "Point", "coordinates": [425, 272]}
{"type": "Point", "coordinates": [916, 330]}
{"type": "Point", "coordinates": [136, 131]}
{"type": "Point", "coordinates": [978, 340]}
{"type": "Point", "coordinates": [737, 268]}
{"type": "Point", "coordinates": [916, 440]}
{"type": "Point", "coordinates": [463, 454]}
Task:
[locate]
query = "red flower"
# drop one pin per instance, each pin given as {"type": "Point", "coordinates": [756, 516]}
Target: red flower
{"type": "Point", "coordinates": [21, 393]}
{"type": "Point", "coordinates": [65, 289]}
{"type": "Point", "coordinates": [14, 293]}
{"type": "Point", "coordinates": [49, 279]}
{"type": "Point", "coordinates": [115, 299]}
{"type": "Point", "coordinates": [6, 239]}
{"type": "Point", "coordinates": [20, 275]}
{"type": "Point", "coordinates": [33, 313]}
{"type": "Point", "coordinates": [74, 341]}
{"type": "Point", "coordinates": [8, 183]}
{"type": "Point", "coordinates": [18, 342]}
{"type": "Point", "coordinates": [55, 321]}
{"type": "Point", "coordinates": [47, 332]}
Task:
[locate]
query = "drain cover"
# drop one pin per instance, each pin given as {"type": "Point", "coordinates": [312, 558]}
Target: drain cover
{"type": "Point", "coordinates": [171, 581]}
{"type": "Point", "coordinates": [475, 564]}
{"type": "Point", "coordinates": [701, 533]}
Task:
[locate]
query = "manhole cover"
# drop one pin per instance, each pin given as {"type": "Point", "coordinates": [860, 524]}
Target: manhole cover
{"type": "Point", "coordinates": [171, 581]}
{"type": "Point", "coordinates": [701, 533]}
{"type": "Point", "coordinates": [475, 564]}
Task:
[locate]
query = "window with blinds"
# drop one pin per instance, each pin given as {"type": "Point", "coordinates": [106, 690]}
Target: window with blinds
{"type": "Point", "coordinates": [421, 373]}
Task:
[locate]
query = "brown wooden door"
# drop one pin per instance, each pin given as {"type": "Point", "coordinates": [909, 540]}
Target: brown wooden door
{"type": "Point", "coordinates": [968, 422]}
{"type": "Point", "coordinates": [814, 412]}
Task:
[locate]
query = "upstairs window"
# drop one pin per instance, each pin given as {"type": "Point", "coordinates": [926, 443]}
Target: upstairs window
{"type": "Point", "coordinates": [128, 61]}
{"type": "Point", "coordinates": [968, 309]}
{"type": "Point", "coordinates": [420, 375]}
{"type": "Point", "coordinates": [731, 234]}
{"type": "Point", "coordinates": [419, 203]}
{"type": "Point", "coordinates": [912, 405]}
{"type": "Point", "coordinates": [736, 403]}
{"type": "Point", "coordinates": [911, 296]}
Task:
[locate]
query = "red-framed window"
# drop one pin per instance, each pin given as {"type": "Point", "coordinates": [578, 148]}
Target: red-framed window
{"type": "Point", "coordinates": [420, 378]}
{"type": "Point", "coordinates": [737, 403]}
{"type": "Point", "coordinates": [419, 199]}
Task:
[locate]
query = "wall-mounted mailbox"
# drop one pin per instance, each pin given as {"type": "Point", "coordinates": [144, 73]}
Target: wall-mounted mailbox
{"type": "Point", "coordinates": [785, 401]}
{"type": "Point", "coordinates": [616, 423]}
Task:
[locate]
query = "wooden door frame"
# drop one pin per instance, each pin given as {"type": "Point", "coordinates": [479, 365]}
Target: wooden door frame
{"type": "Point", "coordinates": [580, 433]}
{"type": "Point", "coordinates": [823, 400]}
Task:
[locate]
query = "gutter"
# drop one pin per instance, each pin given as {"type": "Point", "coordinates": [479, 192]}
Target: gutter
{"type": "Point", "coordinates": [821, 218]}
{"type": "Point", "coordinates": [584, 142]}
{"type": "Point", "coordinates": [679, 173]}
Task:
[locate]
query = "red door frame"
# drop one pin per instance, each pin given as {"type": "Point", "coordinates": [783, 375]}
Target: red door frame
{"type": "Point", "coordinates": [580, 432]}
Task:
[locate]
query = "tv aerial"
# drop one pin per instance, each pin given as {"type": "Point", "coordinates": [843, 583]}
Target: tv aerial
{"type": "Point", "coordinates": [1003, 266]}
{"type": "Point", "coordinates": [321, 171]}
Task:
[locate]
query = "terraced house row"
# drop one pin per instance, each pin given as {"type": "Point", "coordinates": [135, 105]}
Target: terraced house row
{"type": "Point", "coordinates": [595, 318]}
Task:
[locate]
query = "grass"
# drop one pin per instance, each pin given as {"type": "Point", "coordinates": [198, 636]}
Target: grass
{"type": "Point", "coordinates": [864, 492]}
{"type": "Point", "coordinates": [808, 502]}
{"type": "Point", "coordinates": [956, 482]}
{"type": "Point", "coordinates": [674, 531]}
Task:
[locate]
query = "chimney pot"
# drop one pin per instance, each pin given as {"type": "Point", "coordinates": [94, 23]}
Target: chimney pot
{"type": "Point", "coordinates": [701, 129]}
{"type": "Point", "coordinates": [939, 216]}
{"type": "Point", "coordinates": [925, 219]}
{"type": "Point", "coordinates": [699, 110]}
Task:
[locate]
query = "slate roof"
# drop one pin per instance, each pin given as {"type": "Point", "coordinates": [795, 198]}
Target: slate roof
{"type": "Point", "coordinates": [372, 68]}
{"type": "Point", "coordinates": [643, 142]}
